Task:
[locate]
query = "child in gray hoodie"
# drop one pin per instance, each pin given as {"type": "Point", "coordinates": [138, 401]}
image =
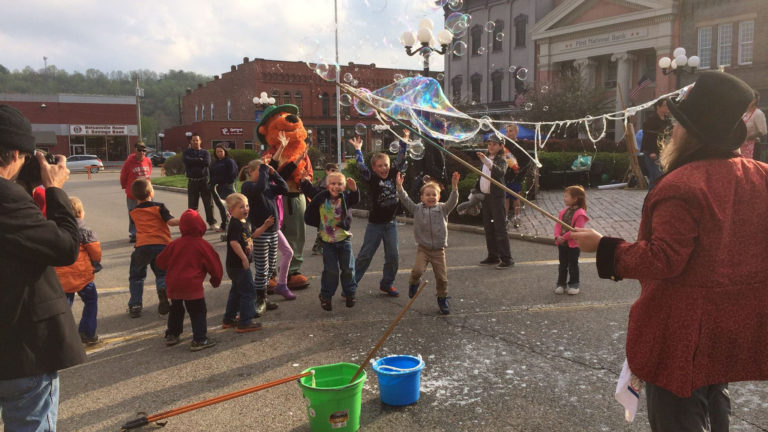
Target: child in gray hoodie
{"type": "Point", "coordinates": [430, 226]}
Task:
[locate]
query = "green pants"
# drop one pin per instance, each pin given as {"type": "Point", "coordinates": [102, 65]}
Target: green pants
{"type": "Point", "coordinates": [293, 228]}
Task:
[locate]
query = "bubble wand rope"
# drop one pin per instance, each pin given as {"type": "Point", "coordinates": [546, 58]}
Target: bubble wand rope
{"type": "Point", "coordinates": [351, 91]}
{"type": "Point", "coordinates": [145, 420]}
{"type": "Point", "coordinates": [386, 333]}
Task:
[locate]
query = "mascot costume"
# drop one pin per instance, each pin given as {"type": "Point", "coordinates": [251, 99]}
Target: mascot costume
{"type": "Point", "coordinates": [291, 166]}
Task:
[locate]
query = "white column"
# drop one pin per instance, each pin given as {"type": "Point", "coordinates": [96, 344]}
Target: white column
{"type": "Point", "coordinates": [587, 70]}
{"type": "Point", "coordinates": [624, 82]}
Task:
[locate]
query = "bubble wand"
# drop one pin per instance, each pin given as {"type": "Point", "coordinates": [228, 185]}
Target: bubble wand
{"type": "Point", "coordinates": [352, 92]}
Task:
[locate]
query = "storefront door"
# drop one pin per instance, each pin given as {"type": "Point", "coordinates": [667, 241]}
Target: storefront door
{"type": "Point", "coordinates": [76, 149]}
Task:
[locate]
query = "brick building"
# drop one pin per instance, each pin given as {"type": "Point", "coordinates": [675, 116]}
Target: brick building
{"type": "Point", "coordinates": [80, 124]}
{"type": "Point", "coordinates": [725, 33]}
{"type": "Point", "coordinates": [222, 110]}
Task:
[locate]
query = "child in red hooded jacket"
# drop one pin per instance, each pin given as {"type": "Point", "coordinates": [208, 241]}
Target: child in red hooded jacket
{"type": "Point", "coordinates": [187, 260]}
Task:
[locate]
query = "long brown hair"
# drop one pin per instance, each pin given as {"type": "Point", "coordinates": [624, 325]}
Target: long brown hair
{"type": "Point", "coordinates": [580, 194]}
{"type": "Point", "coordinates": [687, 148]}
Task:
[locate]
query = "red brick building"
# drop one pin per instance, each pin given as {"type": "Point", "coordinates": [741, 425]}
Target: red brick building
{"type": "Point", "coordinates": [80, 124]}
{"type": "Point", "coordinates": [222, 110]}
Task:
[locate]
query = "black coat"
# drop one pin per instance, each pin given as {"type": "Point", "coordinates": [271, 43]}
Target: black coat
{"type": "Point", "coordinates": [37, 330]}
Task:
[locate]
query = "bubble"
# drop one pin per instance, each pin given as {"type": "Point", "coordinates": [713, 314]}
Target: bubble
{"type": "Point", "coordinates": [528, 106]}
{"type": "Point", "coordinates": [362, 104]}
{"type": "Point", "coordinates": [522, 74]}
{"type": "Point", "coordinates": [360, 129]}
{"type": "Point", "coordinates": [512, 69]}
{"type": "Point", "coordinates": [436, 5]}
{"type": "Point", "coordinates": [347, 117]}
{"type": "Point", "coordinates": [377, 145]}
{"type": "Point", "coordinates": [354, 83]}
{"type": "Point", "coordinates": [416, 150]}
{"type": "Point", "coordinates": [328, 72]}
{"type": "Point", "coordinates": [440, 76]}
{"type": "Point", "coordinates": [376, 6]}
{"type": "Point", "coordinates": [489, 26]}
{"type": "Point", "coordinates": [544, 89]}
{"type": "Point", "coordinates": [499, 36]}
{"type": "Point", "coordinates": [459, 48]}
{"type": "Point", "coordinates": [455, 4]}
{"type": "Point", "coordinates": [485, 123]}
{"type": "Point", "coordinates": [457, 23]}
{"type": "Point", "coordinates": [345, 100]}
{"type": "Point", "coordinates": [474, 102]}
{"type": "Point", "coordinates": [545, 108]}
{"type": "Point", "coordinates": [481, 50]}
{"type": "Point", "coordinates": [347, 77]}
{"type": "Point", "coordinates": [320, 96]}
{"type": "Point", "coordinates": [308, 49]}
{"type": "Point", "coordinates": [399, 92]}
{"type": "Point", "coordinates": [397, 77]}
{"type": "Point", "coordinates": [394, 146]}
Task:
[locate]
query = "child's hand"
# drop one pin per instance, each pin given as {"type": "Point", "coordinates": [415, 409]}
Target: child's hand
{"type": "Point", "coordinates": [406, 133]}
{"type": "Point", "coordinates": [455, 179]}
{"type": "Point", "coordinates": [271, 170]}
{"type": "Point", "coordinates": [480, 155]}
{"type": "Point", "coordinates": [356, 142]}
{"type": "Point", "coordinates": [215, 284]}
{"type": "Point", "coordinates": [351, 185]}
{"type": "Point", "coordinates": [269, 222]}
{"type": "Point", "coordinates": [399, 179]}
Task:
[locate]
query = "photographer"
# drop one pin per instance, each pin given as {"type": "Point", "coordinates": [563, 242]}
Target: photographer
{"type": "Point", "coordinates": [38, 336]}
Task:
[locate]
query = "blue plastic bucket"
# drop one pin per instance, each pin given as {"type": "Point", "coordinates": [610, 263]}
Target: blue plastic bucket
{"type": "Point", "coordinates": [399, 379]}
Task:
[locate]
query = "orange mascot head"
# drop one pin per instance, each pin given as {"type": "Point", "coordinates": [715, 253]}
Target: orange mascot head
{"type": "Point", "coordinates": [285, 119]}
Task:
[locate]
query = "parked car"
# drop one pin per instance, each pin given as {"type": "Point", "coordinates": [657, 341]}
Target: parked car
{"type": "Point", "coordinates": [82, 162]}
{"type": "Point", "coordinates": [159, 158]}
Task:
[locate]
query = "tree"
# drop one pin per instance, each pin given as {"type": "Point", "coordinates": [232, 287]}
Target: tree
{"type": "Point", "coordinates": [566, 97]}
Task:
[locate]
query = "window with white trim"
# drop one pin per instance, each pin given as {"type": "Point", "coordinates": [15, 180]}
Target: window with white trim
{"type": "Point", "coordinates": [229, 109]}
{"type": "Point", "coordinates": [196, 110]}
{"type": "Point", "coordinates": [705, 47]}
{"type": "Point", "coordinates": [746, 42]}
{"type": "Point", "coordinates": [202, 112]}
{"type": "Point", "coordinates": [724, 42]}
{"type": "Point", "coordinates": [211, 110]}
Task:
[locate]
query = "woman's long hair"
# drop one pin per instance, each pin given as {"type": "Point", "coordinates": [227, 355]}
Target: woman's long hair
{"type": "Point", "coordinates": [685, 147]}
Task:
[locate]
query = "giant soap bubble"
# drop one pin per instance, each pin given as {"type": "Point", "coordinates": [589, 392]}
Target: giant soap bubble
{"type": "Point", "coordinates": [420, 101]}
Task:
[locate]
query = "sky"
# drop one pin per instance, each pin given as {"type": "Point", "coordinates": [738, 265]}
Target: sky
{"type": "Point", "coordinates": [206, 36]}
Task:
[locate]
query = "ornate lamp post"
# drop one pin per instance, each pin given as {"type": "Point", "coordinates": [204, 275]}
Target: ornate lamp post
{"type": "Point", "coordinates": [160, 146]}
{"type": "Point", "coordinates": [427, 41]}
{"type": "Point", "coordinates": [679, 63]}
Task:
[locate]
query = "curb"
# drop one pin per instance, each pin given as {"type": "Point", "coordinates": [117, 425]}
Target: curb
{"type": "Point", "coordinates": [453, 226]}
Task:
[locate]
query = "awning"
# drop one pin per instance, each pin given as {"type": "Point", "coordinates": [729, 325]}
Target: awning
{"type": "Point", "coordinates": [44, 138]}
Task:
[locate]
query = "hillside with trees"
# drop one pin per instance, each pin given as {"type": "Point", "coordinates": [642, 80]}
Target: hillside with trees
{"type": "Point", "coordinates": [159, 106]}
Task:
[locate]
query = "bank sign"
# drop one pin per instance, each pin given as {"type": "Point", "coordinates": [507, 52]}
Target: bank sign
{"type": "Point", "coordinates": [599, 40]}
{"type": "Point", "coordinates": [86, 129]}
{"type": "Point", "coordinates": [227, 131]}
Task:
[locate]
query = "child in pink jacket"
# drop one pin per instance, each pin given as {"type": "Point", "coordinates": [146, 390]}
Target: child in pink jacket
{"type": "Point", "coordinates": [575, 215]}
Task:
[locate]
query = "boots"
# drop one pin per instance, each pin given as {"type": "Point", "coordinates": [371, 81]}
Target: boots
{"type": "Point", "coordinates": [163, 307]}
{"type": "Point", "coordinates": [263, 304]}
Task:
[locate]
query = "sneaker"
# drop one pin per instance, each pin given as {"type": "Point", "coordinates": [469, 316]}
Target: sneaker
{"type": "Point", "coordinates": [223, 238]}
{"type": "Point", "coordinates": [203, 344]}
{"type": "Point", "coordinates": [572, 290]}
{"type": "Point", "coordinates": [490, 261]}
{"type": "Point", "coordinates": [560, 289]}
{"type": "Point", "coordinates": [391, 291]}
{"type": "Point", "coordinates": [516, 223]}
{"type": "Point", "coordinates": [412, 289]}
{"type": "Point", "coordinates": [134, 311]}
{"type": "Point", "coordinates": [221, 230]}
{"type": "Point", "coordinates": [350, 301]}
{"type": "Point", "coordinates": [163, 306]}
{"type": "Point", "coordinates": [283, 290]}
{"type": "Point", "coordinates": [442, 303]}
{"type": "Point", "coordinates": [261, 306]}
{"type": "Point", "coordinates": [325, 303]}
{"type": "Point", "coordinates": [505, 265]}
{"type": "Point", "coordinates": [213, 227]}
{"type": "Point", "coordinates": [247, 328]}
{"type": "Point", "coordinates": [270, 304]}
{"type": "Point", "coordinates": [228, 323]}
{"type": "Point", "coordinates": [171, 340]}
{"type": "Point", "coordinates": [89, 340]}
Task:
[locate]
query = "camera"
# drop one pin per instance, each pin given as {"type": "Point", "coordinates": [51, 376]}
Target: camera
{"type": "Point", "coordinates": [30, 171]}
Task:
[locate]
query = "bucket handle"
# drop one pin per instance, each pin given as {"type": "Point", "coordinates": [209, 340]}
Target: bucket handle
{"type": "Point", "coordinates": [420, 365]}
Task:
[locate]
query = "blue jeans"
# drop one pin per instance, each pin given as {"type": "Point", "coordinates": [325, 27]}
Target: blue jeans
{"type": "Point", "coordinates": [131, 204]}
{"type": "Point", "coordinates": [374, 234]}
{"type": "Point", "coordinates": [654, 172]}
{"type": "Point", "coordinates": [90, 308]}
{"type": "Point", "coordinates": [30, 403]}
{"type": "Point", "coordinates": [240, 296]}
{"type": "Point", "coordinates": [338, 260]}
{"type": "Point", "coordinates": [142, 257]}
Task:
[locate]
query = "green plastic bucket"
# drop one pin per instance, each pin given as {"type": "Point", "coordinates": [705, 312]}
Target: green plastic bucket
{"type": "Point", "coordinates": [333, 404]}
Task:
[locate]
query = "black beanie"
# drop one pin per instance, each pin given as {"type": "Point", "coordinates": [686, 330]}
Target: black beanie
{"type": "Point", "coordinates": [15, 130]}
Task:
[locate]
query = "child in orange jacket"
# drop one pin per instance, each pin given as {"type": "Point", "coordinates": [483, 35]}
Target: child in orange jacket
{"type": "Point", "coordinates": [79, 276]}
{"type": "Point", "coordinates": [187, 260]}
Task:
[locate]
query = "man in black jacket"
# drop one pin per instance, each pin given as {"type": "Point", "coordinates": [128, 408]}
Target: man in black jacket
{"type": "Point", "coordinates": [196, 163]}
{"type": "Point", "coordinates": [654, 128]}
{"type": "Point", "coordinates": [38, 335]}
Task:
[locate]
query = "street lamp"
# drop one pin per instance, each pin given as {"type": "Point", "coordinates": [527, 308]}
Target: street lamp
{"type": "Point", "coordinates": [427, 41]}
{"type": "Point", "coordinates": [160, 146]}
{"type": "Point", "coordinates": [263, 100]}
{"type": "Point", "coordinates": [679, 62]}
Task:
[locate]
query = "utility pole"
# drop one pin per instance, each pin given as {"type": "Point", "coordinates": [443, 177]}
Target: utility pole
{"type": "Point", "coordinates": [339, 138]}
{"type": "Point", "coordinates": [139, 95]}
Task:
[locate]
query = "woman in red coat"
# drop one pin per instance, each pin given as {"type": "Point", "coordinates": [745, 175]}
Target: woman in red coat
{"type": "Point", "coordinates": [701, 320]}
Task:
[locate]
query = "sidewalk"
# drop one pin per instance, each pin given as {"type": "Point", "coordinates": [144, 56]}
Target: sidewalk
{"type": "Point", "coordinates": [612, 212]}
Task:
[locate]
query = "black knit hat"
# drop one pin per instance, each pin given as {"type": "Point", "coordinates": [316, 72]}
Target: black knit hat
{"type": "Point", "coordinates": [15, 130]}
{"type": "Point", "coordinates": [712, 109]}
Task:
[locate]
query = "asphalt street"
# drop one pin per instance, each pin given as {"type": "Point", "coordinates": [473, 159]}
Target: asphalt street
{"type": "Point", "coordinates": [511, 356]}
